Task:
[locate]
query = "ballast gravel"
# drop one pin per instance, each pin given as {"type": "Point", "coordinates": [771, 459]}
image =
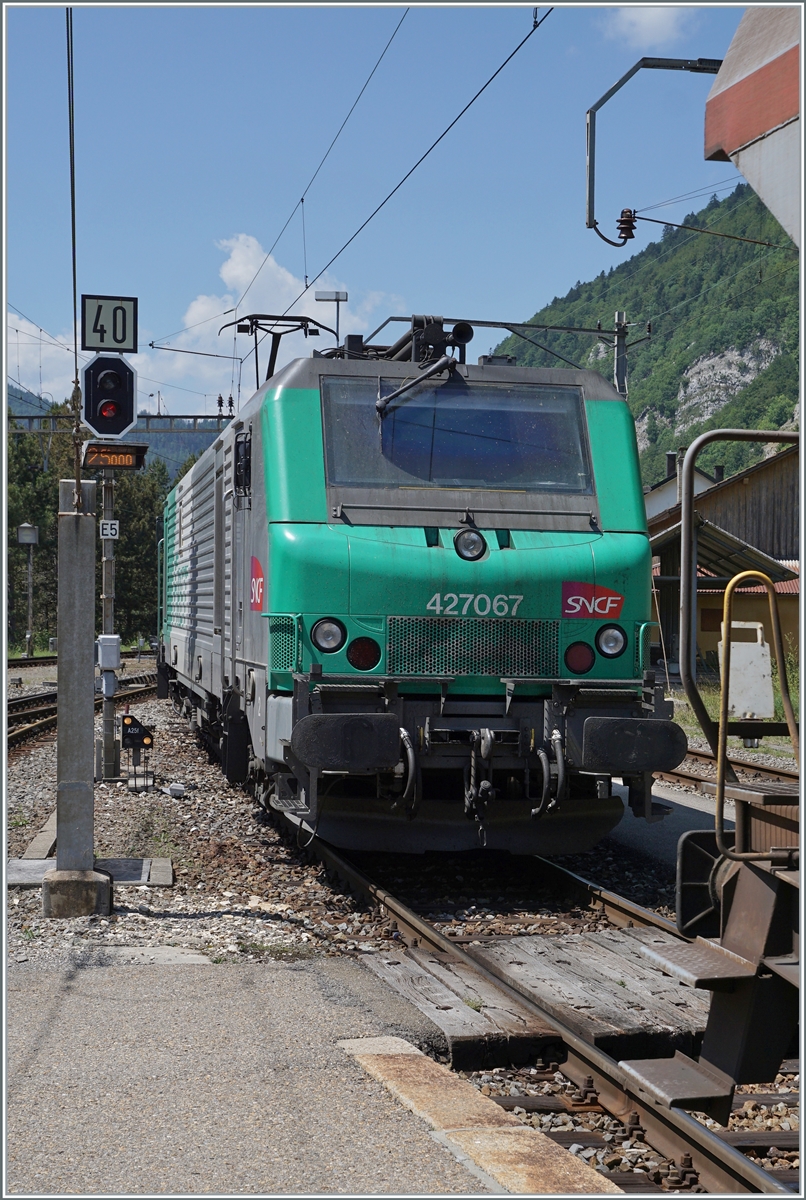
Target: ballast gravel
{"type": "Point", "coordinates": [243, 891]}
{"type": "Point", "coordinates": [625, 1149]}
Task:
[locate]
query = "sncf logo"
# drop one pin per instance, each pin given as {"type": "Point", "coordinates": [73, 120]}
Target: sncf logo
{"type": "Point", "coordinates": [256, 587]}
{"type": "Point", "coordinates": [590, 600]}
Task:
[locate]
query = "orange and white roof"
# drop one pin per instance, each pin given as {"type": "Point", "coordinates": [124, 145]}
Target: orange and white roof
{"type": "Point", "coordinates": [752, 115]}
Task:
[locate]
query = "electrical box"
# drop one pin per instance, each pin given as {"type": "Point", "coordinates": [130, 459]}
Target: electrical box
{"type": "Point", "coordinates": [109, 651]}
{"type": "Point", "coordinates": [751, 695]}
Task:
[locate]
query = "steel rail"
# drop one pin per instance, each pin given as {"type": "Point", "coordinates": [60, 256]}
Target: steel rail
{"type": "Point", "coordinates": [46, 701]}
{"type": "Point", "coordinates": [721, 1168]}
{"type": "Point", "coordinates": [50, 660]}
{"type": "Point", "coordinates": [21, 733]}
{"type": "Point", "coordinates": [25, 703]}
{"type": "Point", "coordinates": [778, 774]}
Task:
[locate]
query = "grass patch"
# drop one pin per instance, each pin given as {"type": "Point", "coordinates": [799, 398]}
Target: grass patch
{"type": "Point", "coordinates": [18, 821]}
{"type": "Point", "coordinates": [474, 1003]}
{"type": "Point", "coordinates": [710, 693]}
{"type": "Point", "coordinates": [288, 953]}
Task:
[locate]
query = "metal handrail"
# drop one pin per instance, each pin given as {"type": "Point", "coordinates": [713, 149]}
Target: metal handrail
{"type": "Point", "coordinates": [724, 704]}
{"type": "Point", "coordinates": [688, 564]}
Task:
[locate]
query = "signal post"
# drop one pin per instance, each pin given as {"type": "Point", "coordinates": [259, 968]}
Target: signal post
{"type": "Point", "coordinates": [109, 410]}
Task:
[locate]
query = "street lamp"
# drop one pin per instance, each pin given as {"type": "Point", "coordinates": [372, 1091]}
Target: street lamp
{"type": "Point", "coordinates": [336, 298]}
{"type": "Point", "coordinates": [28, 535]}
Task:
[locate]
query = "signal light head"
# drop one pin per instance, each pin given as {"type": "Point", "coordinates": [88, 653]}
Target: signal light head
{"type": "Point", "coordinates": [109, 381]}
{"type": "Point", "coordinates": [109, 395]}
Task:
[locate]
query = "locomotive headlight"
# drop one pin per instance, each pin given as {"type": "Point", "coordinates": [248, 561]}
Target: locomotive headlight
{"type": "Point", "coordinates": [611, 641]}
{"type": "Point", "coordinates": [328, 635]}
{"type": "Point", "coordinates": [469, 544]}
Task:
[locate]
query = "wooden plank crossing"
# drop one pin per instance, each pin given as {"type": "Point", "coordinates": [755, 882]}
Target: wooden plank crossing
{"type": "Point", "coordinates": [601, 987]}
{"type": "Point", "coordinates": [487, 1031]}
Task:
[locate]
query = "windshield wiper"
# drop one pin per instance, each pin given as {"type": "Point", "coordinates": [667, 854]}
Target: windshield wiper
{"type": "Point", "coordinates": [447, 361]}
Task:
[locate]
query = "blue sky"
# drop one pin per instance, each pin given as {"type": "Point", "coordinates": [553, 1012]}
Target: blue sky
{"type": "Point", "coordinates": [197, 129]}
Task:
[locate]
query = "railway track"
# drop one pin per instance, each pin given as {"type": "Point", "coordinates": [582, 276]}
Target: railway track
{"type": "Point", "coordinates": [686, 775]}
{"type": "Point", "coordinates": [705, 1160]}
{"type": "Point", "coordinates": [51, 660]}
{"type": "Point", "coordinates": [36, 719]}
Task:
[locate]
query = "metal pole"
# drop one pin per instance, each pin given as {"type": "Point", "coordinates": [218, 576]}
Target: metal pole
{"type": "Point", "coordinates": [74, 888]}
{"type": "Point", "coordinates": [29, 636]}
{"type": "Point", "coordinates": [111, 765]}
{"type": "Point", "coordinates": [620, 356]}
{"type": "Point", "coordinates": [688, 564]}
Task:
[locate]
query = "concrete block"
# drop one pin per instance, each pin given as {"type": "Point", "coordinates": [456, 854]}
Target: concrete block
{"type": "Point", "coordinates": [75, 808]}
{"type": "Point", "coordinates": [76, 894]}
{"type": "Point", "coordinates": [28, 872]}
{"type": "Point", "coordinates": [44, 843]}
{"type": "Point", "coordinates": [130, 871]}
{"type": "Point", "coordinates": [162, 873]}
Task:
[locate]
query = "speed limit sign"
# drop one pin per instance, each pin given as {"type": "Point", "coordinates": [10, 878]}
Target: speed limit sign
{"type": "Point", "coordinates": [109, 323]}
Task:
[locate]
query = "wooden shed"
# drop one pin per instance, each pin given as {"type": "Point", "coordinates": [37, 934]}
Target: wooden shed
{"type": "Point", "coordinates": [749, 521]}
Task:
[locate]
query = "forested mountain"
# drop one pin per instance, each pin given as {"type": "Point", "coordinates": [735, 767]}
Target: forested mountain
{"type": "Point", "coordinates": [724, 320]}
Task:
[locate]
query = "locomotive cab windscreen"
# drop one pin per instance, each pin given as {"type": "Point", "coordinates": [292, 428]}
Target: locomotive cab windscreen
{"type": "Point", "coordinates": [516, 448]}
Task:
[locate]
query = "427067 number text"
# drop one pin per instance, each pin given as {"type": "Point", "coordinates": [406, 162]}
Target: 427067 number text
{"type": "Point", "coordinates": [449, 604]}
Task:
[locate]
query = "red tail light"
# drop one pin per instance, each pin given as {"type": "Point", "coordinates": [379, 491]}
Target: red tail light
{"type": "Point", "coordinates": [363, 654]}
{"type": "Point", "coordinates": [579, 658]}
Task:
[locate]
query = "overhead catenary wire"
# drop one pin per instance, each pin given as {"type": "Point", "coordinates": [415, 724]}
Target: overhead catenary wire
{"type": "Point", "coordinates": [86, 357]}
{"type": "Point", "coordinates": [75, 399]}
{"type": "Point", "coordinates": [701, 191]}
{"type": "Point", "coordinates": [713, 232]}
{"type": "Point", "coordinates": [422, 157]}
{"type": "Point", "coordinates": [725, 279]}
{"type": "Point", "coordinates": [322, 161]}
{"type": "Point", "coordinates": [535, 26]}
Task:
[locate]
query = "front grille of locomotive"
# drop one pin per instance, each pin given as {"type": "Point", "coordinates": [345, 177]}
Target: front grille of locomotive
{"type": "Point", "coordinates": [505, 648]}
{"type": "Point", "coordinates": [282, 639]}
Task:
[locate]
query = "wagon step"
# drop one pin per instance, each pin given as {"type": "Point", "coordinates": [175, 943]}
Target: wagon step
{"type": "Point", "coordinates": [761, 792]}
{"type": "Point", "coordinates": [700, 964]}
{"type": "Point", "coordinates": [683, 1082]}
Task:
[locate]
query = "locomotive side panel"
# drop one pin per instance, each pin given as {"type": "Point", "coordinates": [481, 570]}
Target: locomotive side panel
{"type": "Point", "coordinates": [189, 574]}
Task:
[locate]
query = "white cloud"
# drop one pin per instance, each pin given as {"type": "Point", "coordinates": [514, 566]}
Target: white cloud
{"type": "Point", "coordinates": [191, 382]}
{"type": "Point", "coordinates": [37, 362]}
{"type": "Point", "coordinates": [274, 290]}
{"type": "Point", "coordinates": [647, 28]}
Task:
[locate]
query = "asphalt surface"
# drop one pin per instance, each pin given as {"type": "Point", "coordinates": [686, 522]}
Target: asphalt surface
{"type": "Point", "coordinates": [220, 1079]}
{"type": "Point", "coordinates": [659, 840]}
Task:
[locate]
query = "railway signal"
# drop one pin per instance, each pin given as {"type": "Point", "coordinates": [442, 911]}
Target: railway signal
{"type": "Point", "coordinates": [109, 388]}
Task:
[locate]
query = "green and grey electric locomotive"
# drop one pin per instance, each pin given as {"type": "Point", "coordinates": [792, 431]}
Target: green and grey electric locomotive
{"type": "Point", "coordinates": [409, 597]}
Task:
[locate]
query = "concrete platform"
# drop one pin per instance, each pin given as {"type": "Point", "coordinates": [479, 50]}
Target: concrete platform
{"type": "Point", "coordinates": [143, 872]}
{"type": "Point", "coordinates": [689, 811]}
{"type": "Point", "coordinates": [521, 1159]}
{"type": "Point", "coordinates": [214, 1079]}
